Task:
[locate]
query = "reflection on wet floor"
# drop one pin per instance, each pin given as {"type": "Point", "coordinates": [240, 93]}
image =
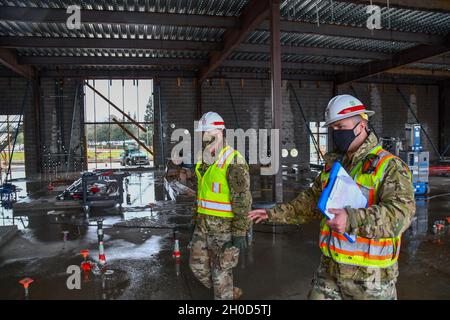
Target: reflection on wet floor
{"type": "Point", "coordinates": [138, 243]}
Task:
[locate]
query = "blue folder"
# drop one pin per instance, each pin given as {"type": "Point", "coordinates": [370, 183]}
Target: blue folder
{"type": "Point", "coordinates": [322, 204]}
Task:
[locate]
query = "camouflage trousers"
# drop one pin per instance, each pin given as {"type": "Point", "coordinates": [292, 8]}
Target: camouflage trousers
{"type": "Point", "coordinates": [326, 287]}
{"type": "Point", "coordinates": [211, 264]}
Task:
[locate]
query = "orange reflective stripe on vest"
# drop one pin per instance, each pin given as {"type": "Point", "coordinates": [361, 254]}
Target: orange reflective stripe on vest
{"type": "Point", "coordinates": [372, 242]}
{"type": "Point", "coordinates": [214, 205]}
{"type": "Point", "coordinates": [362, 254]}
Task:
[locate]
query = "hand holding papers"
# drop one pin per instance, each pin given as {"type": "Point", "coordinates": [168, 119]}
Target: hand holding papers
{"type": "Point", "coordinates": [341, 192]}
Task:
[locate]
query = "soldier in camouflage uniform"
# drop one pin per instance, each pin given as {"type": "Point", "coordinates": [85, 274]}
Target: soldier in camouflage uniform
{"type": "Point", "coordinates": [217, 239]}
{"type": "Point", "coordinates": [389, 215]}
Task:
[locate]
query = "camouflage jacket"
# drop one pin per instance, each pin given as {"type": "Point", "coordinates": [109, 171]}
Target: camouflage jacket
{"type": "Point", "coordinates": [238, 178]}
{"type": "Point", "coordinates": [389, 217]}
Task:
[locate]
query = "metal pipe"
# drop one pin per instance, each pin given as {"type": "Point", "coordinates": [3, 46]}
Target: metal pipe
{"type": "Point", "coordinates": [115, 107]}
{"type": "Point", "coordinates": [319, 153]}
{"type": "Point", "coordinates": [232, 105]}
{"type": "Point", "coordinates": [75, 103]}
{"type": "Point", "coordinates": [275, 68]}
{"type": "Point", "coordinates": [133, 137]}
{"type": "Point", "coordinates": [161, 131]}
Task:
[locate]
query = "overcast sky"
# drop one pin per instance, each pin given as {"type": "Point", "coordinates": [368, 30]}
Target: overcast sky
{"type": "Point", "coordinates": [123, 96]}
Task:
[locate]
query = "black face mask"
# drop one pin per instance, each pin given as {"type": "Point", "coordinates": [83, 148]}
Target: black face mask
{"type": "Point", "coordinates": [343, 139]}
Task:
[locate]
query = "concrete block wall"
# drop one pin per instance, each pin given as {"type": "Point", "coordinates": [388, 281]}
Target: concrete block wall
{"type": "Point", "coordinates": [178, 105]}
{"type": "Point", "coordinates": [392, 113]}
{"type": "Point", "coordinates": [12, 92]}
{"type": "Point", "coordinates": [50, 133]}
{"type": "Point", "coordinates": [252, 103]}
{"type": "Point", "coordinates": [253, 109]}
{"type": "Point", "coordinates": [12, 95]}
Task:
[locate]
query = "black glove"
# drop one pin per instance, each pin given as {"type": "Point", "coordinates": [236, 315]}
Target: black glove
{"type": "Point", "coordinates": [239, 242]}
{"type": "Point", "coordinates": [191, 234]}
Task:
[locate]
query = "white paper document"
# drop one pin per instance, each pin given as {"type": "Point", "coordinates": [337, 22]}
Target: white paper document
{"type": "Point", "coordinates": [345, 193]}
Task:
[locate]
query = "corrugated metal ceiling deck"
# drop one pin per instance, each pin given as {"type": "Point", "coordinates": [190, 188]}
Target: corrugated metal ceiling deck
{"type": "Point", "coordinates": [311, 11]}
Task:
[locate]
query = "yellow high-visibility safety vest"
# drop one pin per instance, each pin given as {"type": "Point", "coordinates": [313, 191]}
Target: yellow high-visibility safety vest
{"type": "Point", "coordinates": [213, 194]}
{"type": "Point", "coordinates": [366, 252]}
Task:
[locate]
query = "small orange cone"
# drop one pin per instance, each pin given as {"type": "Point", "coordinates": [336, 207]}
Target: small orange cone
{"type": "Point", "coordinates": [101, 254]}
{"type": "Point", "coordinates": [176, 249]}
{"type": "Point", "coordinates": [84, 253]}
{"type": "Point", "coordinates": [101, 248]}
{"type": "Point", "coordinates": [25, 282]}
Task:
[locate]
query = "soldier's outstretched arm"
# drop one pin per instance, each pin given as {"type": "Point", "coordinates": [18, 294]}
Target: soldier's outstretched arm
{"type": "Point", "coordinates": [393, 214]}
{"type": "Point", "coordinates": [238, 178]}
{"type": "Point", "coordinates": [301, 210]}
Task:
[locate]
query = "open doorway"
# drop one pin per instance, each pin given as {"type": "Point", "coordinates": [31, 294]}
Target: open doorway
{"type": "Point", "coordinates": [118, 123]}
{"type": "Point", "coordinates": [12, 151]}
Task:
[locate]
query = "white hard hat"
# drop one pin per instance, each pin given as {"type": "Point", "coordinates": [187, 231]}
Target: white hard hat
{"type": "Point", "coordinates": [344, 106]}
{"type": "Point", "coordinates": [210, 121]}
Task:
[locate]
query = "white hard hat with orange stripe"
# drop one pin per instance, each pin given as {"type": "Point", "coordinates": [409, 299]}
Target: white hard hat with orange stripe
{"type": "Point", "coordinates": [210, 121]}
{"type": "Point", "coordinates": [345, 106]}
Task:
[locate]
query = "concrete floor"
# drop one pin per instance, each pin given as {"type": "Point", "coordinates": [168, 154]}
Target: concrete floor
{"type": "Point", "coordinates": [138, 247]}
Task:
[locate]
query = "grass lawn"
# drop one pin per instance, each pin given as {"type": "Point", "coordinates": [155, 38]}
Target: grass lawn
{"type": "Point", "coordinates": [103, 154]}
{"type": "Point", "coordinates": [17, 156]}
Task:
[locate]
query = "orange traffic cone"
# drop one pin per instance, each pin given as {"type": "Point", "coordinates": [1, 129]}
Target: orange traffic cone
{"type": "Point", "coordinates": [84, 253]}
{"type": "Point", "coordinates": [26, 283]}
{"type": "Point", "coordinates": [176, 249]}
{"type": "Point", "coordinates": [101, 254]}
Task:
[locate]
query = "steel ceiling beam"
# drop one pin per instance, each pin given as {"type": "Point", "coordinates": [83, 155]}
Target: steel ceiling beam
{"type": "Point", "coordinates": [52, 15]}
{"type": "Point", "coordinates": [314, 51]}
{"type": "Point", "coordinates": [151, 44]}
{"type": "Point", "coordinates": [132, 73]}
{"type": "Point", "coordinates": [420, 72]}
{"type": "Point", "coordinates": [9, 59]}
{"type": "Point", "coordinates": [442, 59]}
{"type": "Point", "coordinates": [99, 60]}
{"type": "Point", "coordinates": [429, 5]}
{"type": "Point", "coordinates": [289, 65]}
{"type": "Point", "coordinates": [126, 73]}
{"type": "Point", "coordinates": [144, 61]}
{"type": "Point", "coordinates": [94, 43]}
{"type": "Point", "coordinates": [399, 59]}
{"type": "Point", "coordinates": [253, 14]}
{"type": "Point", "coordinates": [354, 32]}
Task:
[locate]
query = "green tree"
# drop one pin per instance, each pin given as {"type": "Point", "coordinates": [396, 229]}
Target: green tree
{"type": "Point", "coordinates": [148, 117]}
